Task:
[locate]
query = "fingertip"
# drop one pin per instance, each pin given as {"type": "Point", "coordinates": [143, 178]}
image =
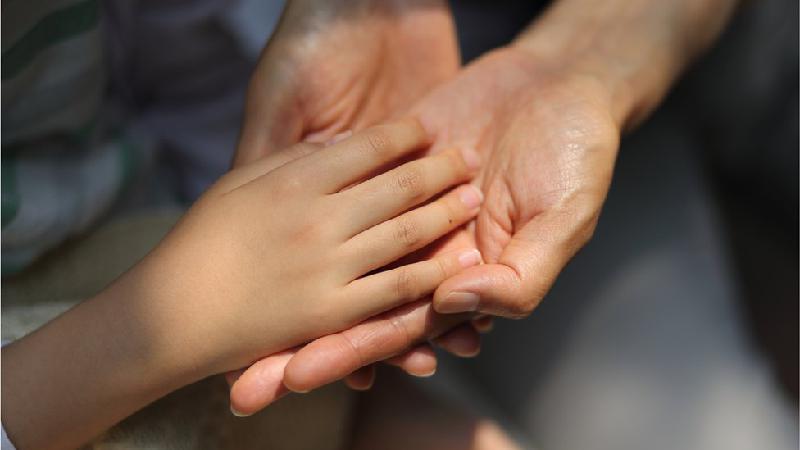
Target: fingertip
{"type": "Point", "coordinates": [419, 362]}
{"type": "Point", "coordinates": [323, 361]}
{"type": "Point", "coordinates": [488, 288]}
{"type": "Point", "coordinates": [471, 157]}
{"type": "Point", "coordinates": [471, 197]}
{"type": "Point", "coordinates": [362, 379]}
{"type": "Point", "coordinates": [469, 257]}
{"type": "Point", "coordinates": [420, 130]}
{"type": "Point", "coordinates": [462, 341]}
{"type": "Point", "coordinates": [483, 324]}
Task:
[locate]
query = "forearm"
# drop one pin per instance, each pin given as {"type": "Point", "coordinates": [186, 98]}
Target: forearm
{"type": "Point", "coordinates": [636, 48]}
{"type": "Point", "coordinates": [84, 371]}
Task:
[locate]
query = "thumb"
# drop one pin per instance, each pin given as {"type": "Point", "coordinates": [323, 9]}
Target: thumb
{"type": "Point", "coordinates": [272, 116]}
{"type": "Point", "coordinates": [526, 269]}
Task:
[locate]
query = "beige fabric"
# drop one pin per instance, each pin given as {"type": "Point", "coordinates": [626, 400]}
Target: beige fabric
{"type": "Point", "coordinates": [197, 416]}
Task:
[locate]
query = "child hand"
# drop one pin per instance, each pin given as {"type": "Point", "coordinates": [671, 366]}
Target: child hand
{"type": "Point", "coordinates": [269, 259]}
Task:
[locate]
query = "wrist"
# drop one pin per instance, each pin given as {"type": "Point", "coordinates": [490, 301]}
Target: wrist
{"type": "Point", "coordinates": [83, 372]}
{"type": "Point", "coordinates": [634, 49]}
{"type": "Point", "coordinates": [166, 316]}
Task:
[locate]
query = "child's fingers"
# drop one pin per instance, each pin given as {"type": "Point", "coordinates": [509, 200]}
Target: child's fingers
{"type": "Point", "coordinates": [356, 157]}
{"type": "Point", "coordinates": [249, 172]}
{"type": "Point", "coordinates": [399, 189]}
{"type": "Point", "coordinates": [393, 239]}
{"type": "Point", "coordinates": [391, 193]}
{"type": "Point", "coordinates": [385, 290]}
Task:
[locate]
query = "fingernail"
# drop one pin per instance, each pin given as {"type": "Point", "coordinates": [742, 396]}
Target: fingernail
{"type": "Point", "coordinates": [471, 158]}
{"type": "Point", "coordinates": [427, 374]}
{"type": "Point", "coordinates": [469, 258]}
{"type": "Point", "coordinates": [238, 413]}
{"type": "Point", "coordinates": [471, 196]}
{"type": "Point", "coordinates": [457, 302]}
{"type": "Point", "coordinates": [339, 137]}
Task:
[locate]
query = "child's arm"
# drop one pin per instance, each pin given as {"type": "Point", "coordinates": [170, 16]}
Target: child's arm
{"type": "Point", "coordinates": [264, 261]}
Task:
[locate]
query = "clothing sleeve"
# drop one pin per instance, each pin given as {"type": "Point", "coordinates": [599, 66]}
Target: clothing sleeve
{"type": "Point", "coordinates": [5, 443]}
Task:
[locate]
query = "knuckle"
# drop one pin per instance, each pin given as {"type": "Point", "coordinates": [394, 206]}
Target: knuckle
{"type": "Point", "coordinates": [287, 183]}
{"type": "Point", "coordinates": [407, 233]}
{"type": "Point", "coordinates": [411, 182]}
{"type": "Point", "coordinates": [453, 209]}
{"type": "Point", "coordinates": [354, 348]}
{"type": "Point", "coordinates": [584, 216]}
{"type": "Point", "coordinates": [441, 268]}
{"type": "Point", "coordinates": [379, 142]}
{"type": "Point", "coordinates": [456, 164]}
{"type": "Point", "coordinates": [405, 284]}
{"type": "Point", "coordinates": [306, 233]}
{"type": "Point", "coordinates": [404, 337]}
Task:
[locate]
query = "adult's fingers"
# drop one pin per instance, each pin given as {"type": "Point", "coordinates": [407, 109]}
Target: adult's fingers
{"type": "Point", "coordinates": [260, 384]}
{"type": "Point", "coordinates": [334, 356]}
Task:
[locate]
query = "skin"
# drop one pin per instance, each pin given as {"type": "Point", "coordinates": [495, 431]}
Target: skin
{"type": "Point", "coordinates": [545, 114]}
{"type": "Point", "coordinates": [249, 270]}
{"type": "Point", "coordinates": [389, 54]}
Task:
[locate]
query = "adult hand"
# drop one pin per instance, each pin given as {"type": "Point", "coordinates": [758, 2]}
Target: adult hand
{"type": "Point", "coordinates": [548, 139]}
{"type": "Point", "coordinates": [340, 65]}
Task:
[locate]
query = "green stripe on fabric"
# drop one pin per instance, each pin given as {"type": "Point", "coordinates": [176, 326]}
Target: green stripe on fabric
{"type": "Point", "coordinates": [10, 196]}
{"type": "Point", "coordinates": [50, 30]}
{"type": "Point", "coordinates": [77, 138]}
{"type": "Point", "coordinates": [128, 160]}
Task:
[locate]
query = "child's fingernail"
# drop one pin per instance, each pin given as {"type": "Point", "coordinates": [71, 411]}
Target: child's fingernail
{"type": "Point", "coordinates": [469, 258]}
{"type": "Point", "coordinates": [471, 196]}
{"type": "Point", "coordinates": [339, 137]}
{"type": "Point", "coordinates": [457, 302]}
{"type": "Point", "coordinates": [471, 158]}
{"type": "Point", "coordinates": [238, 413]}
